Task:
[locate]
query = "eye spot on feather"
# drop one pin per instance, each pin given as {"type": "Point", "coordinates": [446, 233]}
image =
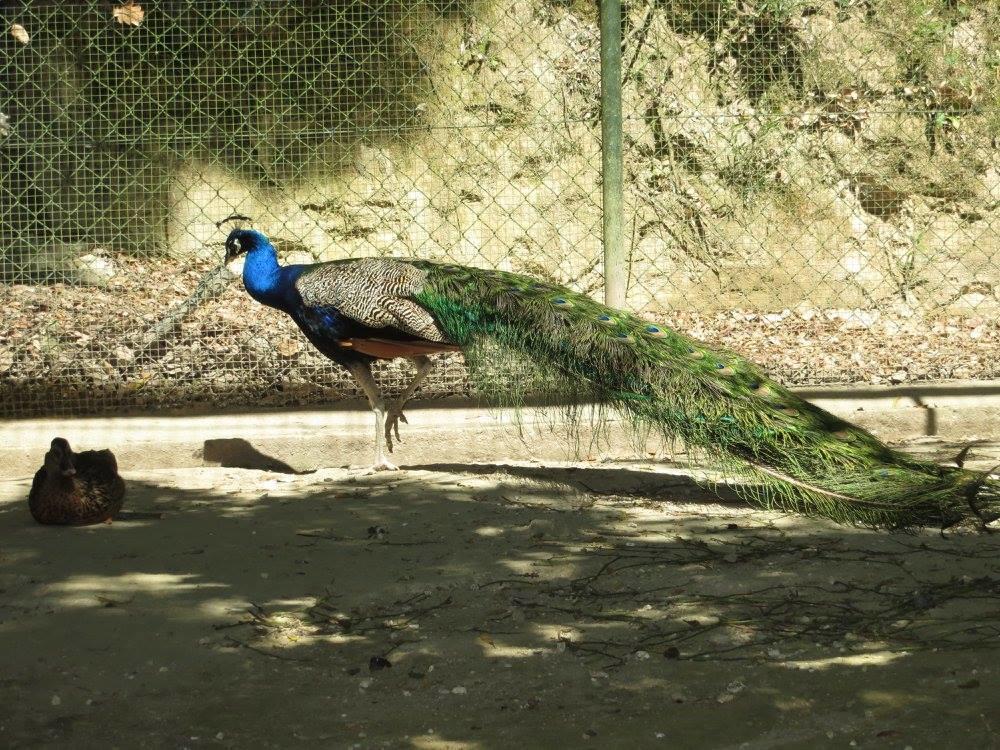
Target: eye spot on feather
{"type": "Point", "coordinates": [723, 370]}
{"type": "Point", "coordinates": [695, 354]}
{"type": "Point", "coordinates": [606, 320]}
{"type": "Point", "coordinates": [789, 411]}
{"type": "Point", "coordinates": [622, 337]}
{"type": "Point", "coordinates": [561, 302]}
{"type": "Point", "coordinates": [655, 332]}
{"type": "Point", "coordinates": [761, 390]}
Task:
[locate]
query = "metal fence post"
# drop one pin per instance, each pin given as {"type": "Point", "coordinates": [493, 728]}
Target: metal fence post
{"type": "Point", "coordinates": [615, 276]}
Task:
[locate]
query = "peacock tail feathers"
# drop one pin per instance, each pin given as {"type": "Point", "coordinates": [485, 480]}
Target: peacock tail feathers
{"type": "Point", "coordinates": [787, 452]}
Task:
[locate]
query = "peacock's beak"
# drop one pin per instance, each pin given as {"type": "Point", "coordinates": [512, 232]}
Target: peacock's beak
{"type": "Point", "coordinates": [234, 249]}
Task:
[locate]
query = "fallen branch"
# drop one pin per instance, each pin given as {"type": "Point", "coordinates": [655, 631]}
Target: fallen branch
{"type": "Point", "coordinates": [212, 285]}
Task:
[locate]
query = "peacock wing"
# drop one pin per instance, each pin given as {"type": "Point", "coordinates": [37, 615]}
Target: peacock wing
{"type": "Point", "coordinates": [376, 292]}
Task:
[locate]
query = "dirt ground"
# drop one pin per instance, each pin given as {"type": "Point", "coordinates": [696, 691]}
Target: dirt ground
{"type": "Point", "coordinates": [487, 606]}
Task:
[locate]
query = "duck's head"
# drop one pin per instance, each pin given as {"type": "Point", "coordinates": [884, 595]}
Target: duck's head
{"type": "Point", "coordinates": [59, 459]}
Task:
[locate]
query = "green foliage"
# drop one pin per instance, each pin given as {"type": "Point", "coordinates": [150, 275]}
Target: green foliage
{"type": "Point", "coordinates": [755, 162]}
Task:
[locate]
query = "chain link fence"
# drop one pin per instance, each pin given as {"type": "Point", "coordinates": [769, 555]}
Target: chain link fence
{"type": "Point", "coordinates": [813, 184]}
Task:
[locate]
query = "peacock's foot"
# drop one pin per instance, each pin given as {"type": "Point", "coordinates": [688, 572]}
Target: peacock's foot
{"type": "Point", "coordinates": [393, 417]}
{"type": "Point", "coordinates": [384, 464]}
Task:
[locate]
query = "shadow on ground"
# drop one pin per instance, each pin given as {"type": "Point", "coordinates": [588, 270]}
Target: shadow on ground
{"type": "Point", "coordinates": [237, 453]}
{"type": "Point", "coordinates": [478, 607]}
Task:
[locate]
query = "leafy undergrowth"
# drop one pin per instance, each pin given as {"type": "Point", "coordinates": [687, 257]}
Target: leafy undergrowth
{"type": "Point", "coordinates": [73, 350]}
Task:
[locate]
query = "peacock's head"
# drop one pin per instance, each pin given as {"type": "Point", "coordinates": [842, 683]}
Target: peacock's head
{"type": "Point", "coordinates": [242, 241]}
{"type": "Point", "coordinates": [59, 459]}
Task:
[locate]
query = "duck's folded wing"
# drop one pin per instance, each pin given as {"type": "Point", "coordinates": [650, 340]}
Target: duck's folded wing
{"type": "Point", "coordinates": [97, 462]}
{"type": "Point", "coordinates": [36, 484]}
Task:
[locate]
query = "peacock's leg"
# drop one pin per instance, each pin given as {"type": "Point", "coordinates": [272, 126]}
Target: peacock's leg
{"type": "Point", "coordinates": [395, 413]}
{"type": "Point", "coordinates": [363, 375]}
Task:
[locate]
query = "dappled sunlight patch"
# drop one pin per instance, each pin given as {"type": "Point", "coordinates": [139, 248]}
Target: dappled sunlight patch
{"type": "Point", "coordinates": [219, 608]}
{"type": "Point", "coordinates": [14, 495]}
{"type": "Point", "coordinates": [299, 602]}
{"type": "Point", "coordinates": [867, 659]}
{"type": "Point", "coordinates": [324, 621]}
{"type": "Point", "coordinates": [241, 510]}
{"type": "Point", "coordinates": [338, 640]}
{"type": "Point", "coordinates": [270, 631]}
{"type": "Point", "coordinates": [555, 631]}
{"type": "Point", "coordinates": [496, 648]}
{"type": "Point", "coordinates": [85, 590]}
{"type": "Point", "coordinates": [436, 742]}
{"type": "Point", "coordinates": [490, 531]}
{"type": "Point", "coordinates": [125, 522]}
{"type": "Point", "coordinates": [794, 703]}
{"type": "Point", "coordinates": [283, 628]}
{"type": "Point", "coordinates": [722, 589]}
{"type": "Point", "coordinates": [522, 567]}
{"type": "Point", "coordinates": [642, 685]}
{"type": "Point", "coordinates": [538, 639]}
{"type": "Point", "coordinates": [894, 698]}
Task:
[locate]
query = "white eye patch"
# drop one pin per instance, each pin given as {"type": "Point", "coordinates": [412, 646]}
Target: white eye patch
{"type": "Point", "coordinates": [236, 244]}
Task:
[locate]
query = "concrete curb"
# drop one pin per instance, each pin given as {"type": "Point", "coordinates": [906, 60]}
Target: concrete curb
{"type": "Point", "coordinates": [457, 431]}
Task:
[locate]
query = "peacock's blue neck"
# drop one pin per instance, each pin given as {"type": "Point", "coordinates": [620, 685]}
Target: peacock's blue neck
{"type": "Point", "coordinates": [263, 277]}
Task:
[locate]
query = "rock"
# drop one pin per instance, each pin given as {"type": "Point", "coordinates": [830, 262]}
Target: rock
{"type": "Point", "coordinates": [540, 527]}
{"type": "Point", "coordinates": [94, 269]}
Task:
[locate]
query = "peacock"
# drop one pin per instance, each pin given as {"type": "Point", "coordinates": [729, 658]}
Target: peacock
{"type": "Point", "coordinates": [76, 489]}
{"type": "Point", "coordinates": [779, 450]}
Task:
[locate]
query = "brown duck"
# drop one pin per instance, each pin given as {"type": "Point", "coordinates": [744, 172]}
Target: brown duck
{"type": "Point", "coordinates": [76, 488]}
